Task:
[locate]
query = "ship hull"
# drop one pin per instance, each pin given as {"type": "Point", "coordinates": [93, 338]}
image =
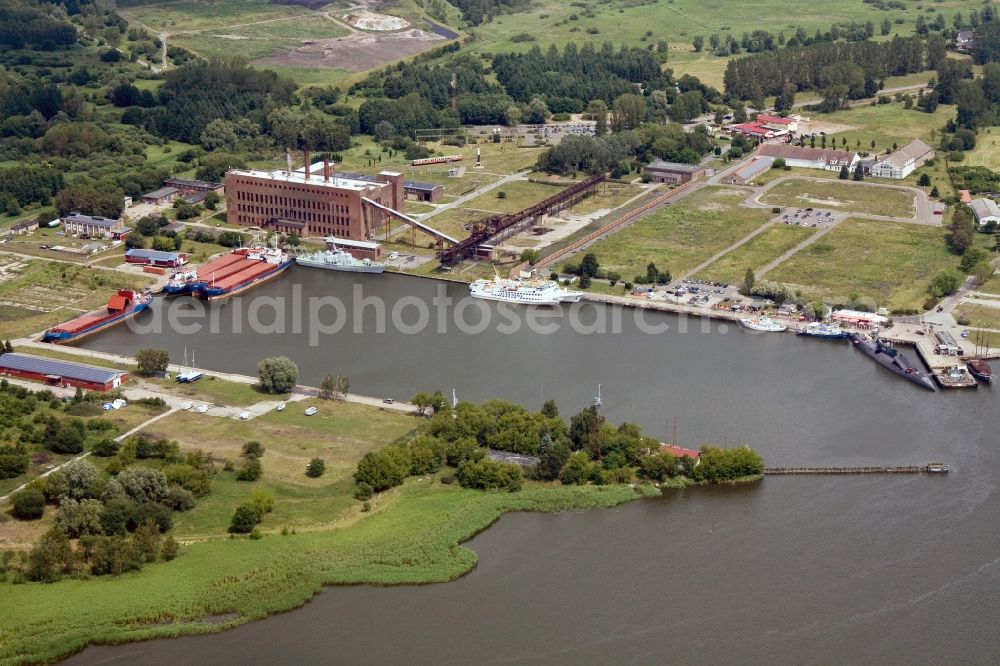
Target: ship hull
{"type": "Point", "coordinates": [516, 301]}
{"type": "Point", "coordinates": [66, 337]}
{"type": "Point", "coordinates": [843, 335]}
{"type": "Point", "coordinates": [763, 328]}
{"type": "Point", "coordinates": [212, 293]}
{"type": "Point", "coordinates": [983, 375]}
{"type": "Point", "coordinates": [348, 269]}
{"type": "Point", "coordinates": [896, 363]}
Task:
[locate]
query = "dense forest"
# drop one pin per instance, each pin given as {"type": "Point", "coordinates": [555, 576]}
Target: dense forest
{"type": "Point", "coordinates": [37, 24]}
{"type": "Point", "coordinates": [480, 11]}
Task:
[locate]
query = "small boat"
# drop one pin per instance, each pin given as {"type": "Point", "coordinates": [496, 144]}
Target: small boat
{"type": "Point", "coordinates": [763, 323]}
{"type": "Point", "coordinates": [280, 408]}
{"type": "Point", "coordinates": [310, 411]}
{"type": "Point", "coordinates": [937, 468]}
{"type": "Point", "coordinates": [980, 369]}
{"type": "Point", "coordinates": [818, 329]}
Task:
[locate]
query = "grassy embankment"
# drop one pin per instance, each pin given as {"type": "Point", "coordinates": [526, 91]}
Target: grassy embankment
{"type": "Point", "coordinates": [679, 237]}
{"type": "Point", "coordinates": [412, 536]}
{"type": "Point", "coordinates": [841, 195]}
{"type": "Point", "coordinates": [889, 262]}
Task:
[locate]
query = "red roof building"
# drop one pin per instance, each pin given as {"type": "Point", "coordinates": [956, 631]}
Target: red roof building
{"type": "Point", "coordinates": [680, 451]}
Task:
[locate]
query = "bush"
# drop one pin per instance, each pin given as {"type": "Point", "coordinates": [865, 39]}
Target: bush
{"type": "Point", "coordinates": [487, 474]}
{"type": "Point", "coordinates": [179, 499]}
{"type": "Point", "coordinates": [316, 468]}
{"type": "Point", "coordinates": [105, 448]}
{"type": "Point", "coordinates": [29, 504]}
{"type": "Point", "coordinates": [243, 521]}
{"type": "Point", "coordinates": [253, 449]}
{"type": "Point", "coordinates": [363, 491]}
{"type": "Point", "coordinates": [251, 471]}
{"type": "Point", "coordinates": [158, 513]}
{"type": "Point", "coordinates": [168, 551]}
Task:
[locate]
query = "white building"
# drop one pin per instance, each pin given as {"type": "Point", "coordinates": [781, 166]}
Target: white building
{"type": "Point", "coordinates": [901, 163]}
{"type": "Point", "coordinates": [986, 211]}
{"type": "Point", "coordinates": [810, 158]}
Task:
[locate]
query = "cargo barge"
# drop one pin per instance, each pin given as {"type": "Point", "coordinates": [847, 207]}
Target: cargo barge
{"type": "Point", "coordinates": [124, 305]}
{"type": "Point", "coordinates": [224, 277]}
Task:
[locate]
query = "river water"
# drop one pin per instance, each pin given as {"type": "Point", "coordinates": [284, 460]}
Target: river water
{"type": "Point", "coordinates": [820, 570]}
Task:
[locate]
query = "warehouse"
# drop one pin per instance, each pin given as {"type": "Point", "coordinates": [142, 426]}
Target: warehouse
{"type": "Point", "coordinates": [902, 163]}
{"type": "Point", "coordinates": [160, 196]}
{"type": "Point", "coordinates": [61, 373]}
{"type": "Point", "coordinates": [673, 172]}
{"type": "Point", "coordinates": [155, 258]}
{"type": "Point", "coordinates": [747, 172]}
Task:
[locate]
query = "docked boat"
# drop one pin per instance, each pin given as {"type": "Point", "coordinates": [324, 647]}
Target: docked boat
{"type": "Point", "coordinates": [336, 259]}
{"type": "Point", "coordinates": [980, 369]}
{"type": "Point", "coordinates": [183, 282]}
{"type": "Point", "coordinates": [523, 291]}
{"type": "Point", "coordinates": [818, 329]}
{"type": "Point", "coordinates": [238, 271]}
{"type": "Point", "coordinates": [892, 360]}
{"type": "Point", "coordinates": [124, 305]}
{"type": "Point", "coordinates": [763, 323]}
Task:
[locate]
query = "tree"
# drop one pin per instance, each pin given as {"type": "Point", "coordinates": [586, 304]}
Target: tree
{"type": "Point", "coordinates": [549, 409]}
{"type": "Point", "coordinates": [316, 468]}
{"type": "Point", "coordinates": [552, 457]}
{"type": "Point", "coordinates": [585, 430]}
{"type": "Point", "coordinates": [342, 386]}
{"type": "Point", "coordinates": [115, 516]}
{"type": "Point", "coordinates": [658, 466]}
{"type": "Point", "coordinates": [212, 200]}
{"type": "Point", "coordinates": [946, 282]}
{"type": "Point", "coordinates": [51, 556]}
{"type": "Point", "coordinates": [599, 111]}
{"type": "Point", "coordinates": [537, 112]}
{"type": "Point", "coordinates": [577, 470]}
{"type": "Point", "coordinates": [80, 518]}
{"type": "Point", "coordinates": [886, 27]}
{"type": "Point", "coordinates": [327, 388]}
{"type": "Point", "coordinates": [698, 42]}
{"type": "Point", "coordinates": [28, 504]}
{"type": "Point", "coordinates": [858, 173]}
{"type": "Point", "coordinates": [749, 280]}
{"type": "Point", "coordinates": [628, 112]}
{"type": "Point", "coordinates": [383, 131]}
{"type": "Point", "coordinates": [277, 374]}
{"type": "Point", "coordinates": [253, 449]}
{"type": "Point", "coordinates": [934, 192]}
{"type": "Point", "coordinates": [530, 255]}
{"type": "Point", "coordinates": [169, 550]}
{"type": "Point", "coordinates": [150, 361]}
{"type": "Point", "coordinates": [589, 265]}
{"type": "Point", "coordinates": [845, 173]}
{"type": "Point", "coordinates": [422, 400]}
{"type": "Point", "coordinates": [924, 180]}
{"type": "Point", "coordinates": [142, 484]}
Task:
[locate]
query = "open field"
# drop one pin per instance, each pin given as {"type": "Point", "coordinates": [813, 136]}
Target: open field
{"type": "Point", "coordinates": [756, 253]}
{"type": "Point", "coordinates": [987, 150]}
{"type": "Point", "coordinates": [181, 15]}
{"type": "Point", "coordinates": [980, 315]}
{"type": "Point", "coordinates": [679, 237]}
{"type": "Point", "coordinates": [891, 263]}
{"type": "Point", "coordinates": [39, 294]}
{"type": "Point", "coordinates": [885, 124]}
{"type": "Point", "coordinates": [842, 196]}
{"type": "Point", "coordinates": [262, 39]}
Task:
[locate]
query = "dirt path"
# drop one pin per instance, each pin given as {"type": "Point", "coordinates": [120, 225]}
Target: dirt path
{"type": "Point", "coordinates": [719, 255]}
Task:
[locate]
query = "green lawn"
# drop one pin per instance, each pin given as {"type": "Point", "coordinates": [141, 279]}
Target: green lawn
{"type": "Point", "coordinates": [180, 15]}
{"type": "Point", "coordinates": [261, 39]}
{"type": "Point", "coordinates": [842, 196]}
{"type": "Point", "coordinates": [679, 237]}
{"type": "Point", "coordinates": [756, 253]}
{"type": "Point", "coordinates": [886, 124]}
{"type": "Point", "coordinates": [890, 262]}
{"type": "Point", "coordinates": [412, 535]}
{"type": "Point", "coordinates": [983, 316]}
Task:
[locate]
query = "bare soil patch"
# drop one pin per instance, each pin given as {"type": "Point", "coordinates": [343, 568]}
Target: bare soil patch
{"type": "Point", "coordinates": [357, 52]}
{"type": "Point", "coordinates": [365, 20]}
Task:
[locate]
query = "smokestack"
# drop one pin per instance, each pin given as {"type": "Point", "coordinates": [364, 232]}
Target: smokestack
{"type": "Point", "coordinates": [305, 156]}
{"type": "Point", "coordinates": [288, 158]}
{"type": "Point", "coordinates": [326, 170]}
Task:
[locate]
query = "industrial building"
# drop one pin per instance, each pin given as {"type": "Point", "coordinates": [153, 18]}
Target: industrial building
{"type": "Point", "coordinates": [986, 211]}
{"type": "Point", "coordinates": [313, 200]}
{"type": "Point", "coordinates": [673, 172]}
{"type": "Point", "coordinates": [61, 373]}
{"type": "Point", "coordinates": [94, 226]}
{"type": "Point", "coordinates": [747, 172]}
{"type": "Point", "coordinates": [160, 196]}
{"type": "Point", "coordinates": [186, 186]}
{"type": "Point", "coordinates": [357, 249]}
{"type": "Point", "coordinates": [412, 189]}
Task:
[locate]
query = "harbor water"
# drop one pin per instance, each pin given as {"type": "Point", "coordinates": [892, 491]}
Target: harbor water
{"type": "Point", "coordinates": [813, 570]}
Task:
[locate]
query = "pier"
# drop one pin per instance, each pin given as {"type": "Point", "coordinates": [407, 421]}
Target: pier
{"type": "Point", "coordinates": [930, 468]}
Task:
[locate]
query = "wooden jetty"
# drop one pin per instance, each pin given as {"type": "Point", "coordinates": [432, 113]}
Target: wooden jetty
{"type": "Point", "coordinates": [930, 468]}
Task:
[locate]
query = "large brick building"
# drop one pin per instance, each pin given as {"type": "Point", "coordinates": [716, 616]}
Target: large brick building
{"type": "Point", "coordinates": [312, 201]}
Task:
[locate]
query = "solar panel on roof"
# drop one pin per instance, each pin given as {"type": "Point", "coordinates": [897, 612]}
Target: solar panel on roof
{"type": "Point", "coordinates": [66, 369]}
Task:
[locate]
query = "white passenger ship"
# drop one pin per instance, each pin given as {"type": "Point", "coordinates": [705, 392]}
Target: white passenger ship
{"type": "Point", "coordinates": [524, 290]}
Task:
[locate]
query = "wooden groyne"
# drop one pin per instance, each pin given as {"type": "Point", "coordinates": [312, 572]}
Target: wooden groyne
{"type": "Point", "coordinates": [932, 468]}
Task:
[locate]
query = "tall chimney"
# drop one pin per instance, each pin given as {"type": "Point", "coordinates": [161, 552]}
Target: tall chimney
{"type": "Point", "coordinates": [305, 156]}
{"type": "Point", "coordinates": [326, 170]}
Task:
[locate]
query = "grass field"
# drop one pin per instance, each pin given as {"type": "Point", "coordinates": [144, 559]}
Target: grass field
{"type": "Point", "coordinates": [261, 39]}
{"type": "Point", "coordinates": [756, 253]}
{"type": "Point", "coordinates": [181, 15]}
{"type": "Point", "coordinates": [983, 316]}
{"type": "Point", "coordinates": [843, 196]}
{"type": "Point", "coordinates": [890, 262]}
{"type": "Point", "coordinates": [412, 535]}
{"type": "Point", "coordinates": [886, 124]}
{"type": "Point", "coordinates": [679, 237]}
{"type": "Point", "coordinates": [987, 150]}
